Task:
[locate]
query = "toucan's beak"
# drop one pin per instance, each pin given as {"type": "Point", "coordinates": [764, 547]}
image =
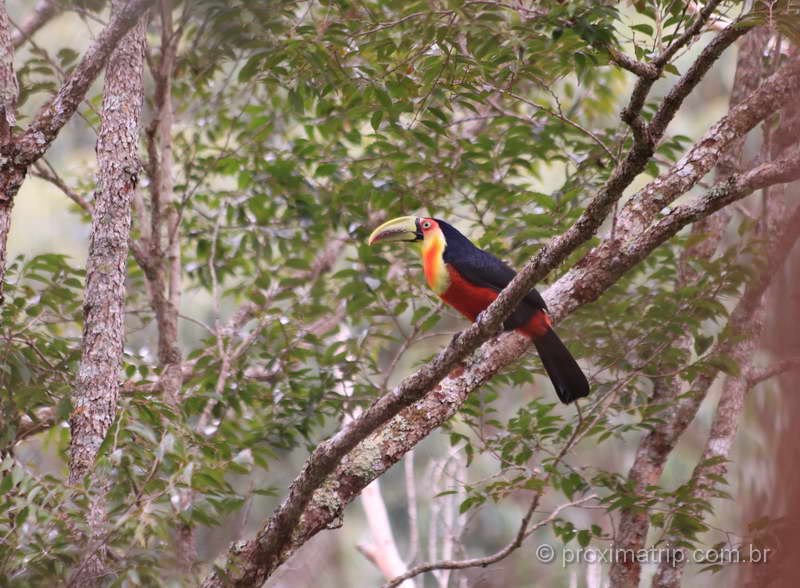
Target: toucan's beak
{"type": "Point", "coordinates": [404, 228]}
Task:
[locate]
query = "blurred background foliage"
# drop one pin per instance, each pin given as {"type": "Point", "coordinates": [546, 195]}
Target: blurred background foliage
{"type": "Point", "coordinates": [299, 125]}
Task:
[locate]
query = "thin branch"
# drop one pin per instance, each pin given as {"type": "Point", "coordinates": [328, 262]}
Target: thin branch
{"type": "Point", "coordinates": [758, 375]}
{"type": "Point", "coordinates": [17, 155]}
{"type": "Point", "coordinates": [44, 418]}
{"type": "Point", "coordinates": [384, 553]}
{"type": "Point", "coordinates": [45, 172]}
{"type": "Point", "coordinates": [745, 326]}
{"type": "Point", "coordinates": [406, 18]}
{"type": "Point", "coordinates": [646, 136]}
{"type": "Point", "coordinates": [411, 499]}
{"type": "Point", "coordinates": [42, 13]}
{"type": "Point", "coordinates": [645, 70]}
{"type": "Point", "coordinates": [556, 116]}
{"type": "Point", "coordinates": [525, 529]}
{"type": "Point", "coordinates": [689, 80]}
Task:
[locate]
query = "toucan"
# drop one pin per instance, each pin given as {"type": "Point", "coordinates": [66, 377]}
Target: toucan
{"type": "Point", "coordinates": [469, 279]}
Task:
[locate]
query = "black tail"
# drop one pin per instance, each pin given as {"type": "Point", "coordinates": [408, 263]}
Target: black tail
{"type": "Point", "coordinates": [564, 371]}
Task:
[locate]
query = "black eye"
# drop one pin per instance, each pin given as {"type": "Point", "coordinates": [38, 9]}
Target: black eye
{"type": "Point", "coordinates": [426, 225]}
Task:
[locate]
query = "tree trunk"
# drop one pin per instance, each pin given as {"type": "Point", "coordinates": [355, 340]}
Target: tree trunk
{"type": "Point", "coordinates": [95, 395]}
{"type": "Point", "coordinates": [8, 100]}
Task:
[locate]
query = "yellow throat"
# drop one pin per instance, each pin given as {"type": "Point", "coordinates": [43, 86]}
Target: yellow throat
{"type": "Point", "coordinates": [433, 261]}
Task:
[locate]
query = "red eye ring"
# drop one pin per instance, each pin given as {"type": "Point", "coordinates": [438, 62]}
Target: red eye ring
{"type": "Point", "coordinates": [426, 224]}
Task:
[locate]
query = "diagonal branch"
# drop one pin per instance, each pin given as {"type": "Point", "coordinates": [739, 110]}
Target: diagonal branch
{"type": "Point", "coordinates": [776, 91]}
{"type": "Point", "coordinates": [654, 448]}
{"type": "Point", "coordinates": [649, 73]}
{"type": "Point", "coordinates": [640, 210]}
{"type": "Point", "coordinates": [756, 376]}
{"type": "Point", "coordinates": [46, 173]}
{"type": "Point", "coordinates": [678, 93]}
{"type": "Point", "coordinates": [746, 325]}
{"type": "Point", "coordinates": [41, 15]}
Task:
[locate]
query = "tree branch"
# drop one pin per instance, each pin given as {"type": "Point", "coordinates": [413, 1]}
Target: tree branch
{"type": "Point", "coordinates": [44, 419]}
{"type": "Point", "coordinates": [384, 554]}
{"type": "Point", "coordinates": [755, 376]}
{"type": "Point", "coordinates": [385, 446]}
{"type": "Point", "coordinates": [54, 115]}
{"type": "Point", "coordinates": [775, 92]}
{"type": "Point", "coordinates": [42, 13]}
{"type": "Point", "coordinates": [655, 447]}
{"type": "Point", "coordinates": [644, 136]}
{"type": "Point", "coordinates": [117, 147]}
{"type": "Point", "coordinates": [678, 93]}
{"type": "Point", "coordinates": [746, 325]}
{"type": "Point", "coordinates": [48, 175]}
{"type": "Point", "coordinates": [645, 70]}
{"type": "Point", "coordinates": [9, 91]}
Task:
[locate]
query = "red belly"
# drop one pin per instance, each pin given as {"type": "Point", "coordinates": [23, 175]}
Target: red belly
{"type": "Point", "coordinates": [471, 300]}
{"type": "Point", "coordinates": [466, 298]}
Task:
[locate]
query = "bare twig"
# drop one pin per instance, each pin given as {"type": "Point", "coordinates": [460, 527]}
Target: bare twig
{"type": "Point", "coordinates": [42, 13]}
{"type": "Point", "coordinates": [557, 116]}
{"type": "Point", "coordinates": [525, 529]}
{"type": "Point", "coordinates": [757, 375]}
{"type": "Point", "coordinates": [47, 173]}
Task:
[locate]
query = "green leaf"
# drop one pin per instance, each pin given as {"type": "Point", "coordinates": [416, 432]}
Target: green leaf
{"type": "Point", "coordinates": [584, 538]}
{"type": "Point", "coordinates": [375, 119]}
{"type": "Point", "coordinates": [643, 28]}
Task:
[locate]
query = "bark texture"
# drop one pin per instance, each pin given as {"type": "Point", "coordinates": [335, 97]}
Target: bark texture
{"type": "Point", "coordinates": [278, 532]}
{"type": "Point", "coordinates": [165, 267]}
{"type": "Point", "coordinates": [8, 81]}
{"type": "Point", "coordinates": [8, 100]}
{"type": "Point", "coordinates": [779, 227]}
{"type": "Point", "coordinates": [94, 398]}
{"type": "Point", "coordinates": [95, 395]}
{"type": "Point", "coordinates": [746, 325]}
{"type": "Point", "coordinates": [248, 564]}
